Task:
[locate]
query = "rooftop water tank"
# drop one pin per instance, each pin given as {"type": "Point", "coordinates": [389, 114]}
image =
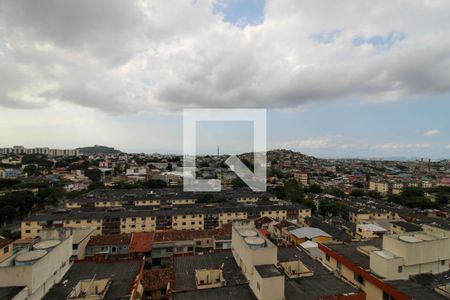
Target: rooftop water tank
{"type": "Point", "coordinates": [248, 233]}
{"type": "Point", "coordinates": [46, 245]}
{"type": "Point", "coordinates": [255, 242]}
{"type": "Point", "coordinates": [29, 258]}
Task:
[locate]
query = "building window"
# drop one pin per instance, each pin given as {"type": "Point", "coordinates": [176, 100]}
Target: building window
{"type": "Point", "coordinates": [27, 231]}
{"type": "Point", "coordinates": [257, 285]}
{"type": "Point", "coordinates": [327, 257]}
{"type": "Point", "coordinates": [400, 269]}
{"type": "Point", "coordinates": [6, 250]}
{"type": "Point", "coordinates": [358, 278]}
{"type": "Point", "coordinates": [387, 296]}
{"type": "Point", "coordinates": [442, 262]}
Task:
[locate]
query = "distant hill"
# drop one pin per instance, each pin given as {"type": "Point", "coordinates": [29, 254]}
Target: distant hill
{"type": "Point", "coordinates": [97, 149]}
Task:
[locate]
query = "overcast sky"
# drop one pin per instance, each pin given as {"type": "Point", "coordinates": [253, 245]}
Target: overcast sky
{"type": "Point", "coordinates": [339, 78]}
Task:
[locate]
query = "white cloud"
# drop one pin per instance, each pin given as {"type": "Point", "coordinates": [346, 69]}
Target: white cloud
{"type": "Point", "coordinates": [399, 146]}
{"type": "Point", "coordinates": [339, 142]}
{"type": "Point", "coordinates": [325, 142]}
{"type": "Point", "coordinates": [431, 132]}
{"type": "Point", "coordinates": [128, 56]}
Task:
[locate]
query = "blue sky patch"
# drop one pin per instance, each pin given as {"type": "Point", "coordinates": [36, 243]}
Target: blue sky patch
{"type": "Point", "coordinates": [242, 12]}
{"type": "Point", "coordinates": [325, 37]}
{"type": "Point", "coordinates": [379, 41]}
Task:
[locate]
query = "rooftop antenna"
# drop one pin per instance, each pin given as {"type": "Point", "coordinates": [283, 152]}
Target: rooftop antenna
{"type": "Point", "coordinates": [218, 150]}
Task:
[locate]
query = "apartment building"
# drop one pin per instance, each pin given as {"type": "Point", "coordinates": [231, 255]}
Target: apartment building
{"type": "Point", "coordinates": [45, 151]}
{"type": "Point", "coordinates": [383, 274]}
{"type": "Point", "coordinates": [197, 217]}
{"type": "Point", "coordinates": [256, 269]}
{"type": "Point", "coordinates": [137, 224]}
{"type": "Point", "coordinates": [302, 178]}
{"type": "Point", "coordinates": [397, 188]}
{"type": "Point", "coordinates": [398, 227]}
{"type": "Point", "coordinates": [366, 215]}
{"type": "Point", "coordinates": [37, 268]}
{"type": "Point", "coordinates": [369, 231]}
{"type": "Point", "coordinates": [6, 248]}
{"type": "Point", "coordinates": [412, 253]}
{"type": "Point", "coordinates": [380, 187]}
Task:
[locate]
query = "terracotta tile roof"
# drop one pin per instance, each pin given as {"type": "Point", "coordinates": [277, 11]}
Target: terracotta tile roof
{"type": "Point", "coordinates": [264, 231]}
{"type": "Point", "coordinates": [4, 242]}
{"type": "Point", "coordinates": [156, 279]}
{"type": "Point", "coordinates": [261, 221]}
{"type": "Point", "coordinates": [109, 239]}
{"type": "Point", "coordinates": [141, 242]}
{"type": "Point", "coordinates": [183, 235]}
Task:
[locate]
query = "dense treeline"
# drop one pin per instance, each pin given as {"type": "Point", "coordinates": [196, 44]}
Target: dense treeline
{"type": "Point", "coordinates": [415, 197]}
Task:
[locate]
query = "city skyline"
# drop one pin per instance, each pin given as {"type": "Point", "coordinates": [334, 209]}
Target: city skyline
{"type": "Point", "coordinates": [353, 86]}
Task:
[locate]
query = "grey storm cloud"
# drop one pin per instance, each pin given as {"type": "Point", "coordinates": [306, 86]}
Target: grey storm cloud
{"type": "Point", "coordinates": [128, 56]}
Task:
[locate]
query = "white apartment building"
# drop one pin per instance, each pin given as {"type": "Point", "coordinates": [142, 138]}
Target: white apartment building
{"type": "Point", "coordinates": [412, 253]}
{"type": "Point", "coordinates": [256, 256]}
{"type": "Point", "coordinates": [39, 267]}
{"type": "Point", "coordinates": [45, 150]}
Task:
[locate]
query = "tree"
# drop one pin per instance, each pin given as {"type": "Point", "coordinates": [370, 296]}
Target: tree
{"type": "Point", "coordinates": [443, 198]}
{"type": "Point", "coordinates": [358, 193]}
{"type": "Point", "coordinates": [7, 213]}
{"type": "Point", "coordinates": [96, 185]}
{"type": "Point", "coordinates": [333, 208]}
{"type": "Point", "coordinates": [155, 184]}
{"type": "Point", "coordinates": [8, 183]}
{"type": "Point", "coordinates": [50, 196]}
{"type": "Point", "coordinates": [31, 170]}
{"type": "Point", "coordinates": [238, 182]}
{"type": "Point", "coordinates": [169, 167]}
{"type": "Point", "coordinates": [203, 164]}
{"type": "Point", "coordinates": [413, 192]}
{"type": "Point", "coordinates": [279, 192]}
{"type": "Point", "coordinates": [315, 188]}
{"type": "Point", "coordinates": [309, 203]}
{"type": "Point", "coordinates": [374, 194]}
{"type": "Point", "coordinates": [293, 192]}
{"type": "Point", "coordinates": [210, 198]}
{"type": "Point", "coordinates": [359, 185]}
{"type": "Point", "coordinates": [93, 174]}
{"type": "Point", "coordinates": [336, 192]}
{"type": "Point", "coordinates": [411, 199]}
